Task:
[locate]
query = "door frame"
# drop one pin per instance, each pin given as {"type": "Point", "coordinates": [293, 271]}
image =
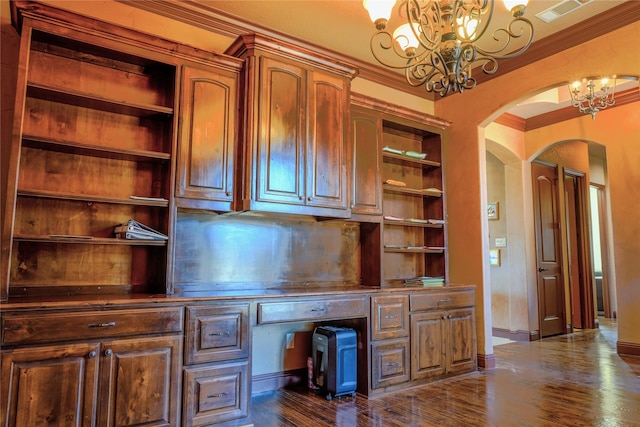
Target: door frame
{"type": "Point", "coordinates": [604, 248]}
{"type": "Point", "coordinates": [583, 244]}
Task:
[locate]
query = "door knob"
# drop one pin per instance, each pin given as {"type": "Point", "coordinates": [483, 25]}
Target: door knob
{"type": "Point", "coordinates": [543, 269]}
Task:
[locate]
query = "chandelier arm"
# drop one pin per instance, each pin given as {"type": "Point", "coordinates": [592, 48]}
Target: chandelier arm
{"type": "Point", "coordinates": [385, 41]}
{"type": "Point", "coordinates": [507, 35]}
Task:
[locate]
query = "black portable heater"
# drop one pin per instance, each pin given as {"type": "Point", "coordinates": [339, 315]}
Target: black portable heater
{"type": "Point", "coordinates": [335, 365]}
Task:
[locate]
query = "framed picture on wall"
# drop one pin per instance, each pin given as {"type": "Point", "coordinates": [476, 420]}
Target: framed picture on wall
{"type": "Point", "coordinates": [493, 212]}
{"type": "Point", "coordinates": [494, 257]}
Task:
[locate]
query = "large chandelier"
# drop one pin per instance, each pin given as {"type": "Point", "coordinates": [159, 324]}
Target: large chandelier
{"type": "Point", "coordinates": [589, 99]}
{"type": "Point", "coordinates": [436, 44]}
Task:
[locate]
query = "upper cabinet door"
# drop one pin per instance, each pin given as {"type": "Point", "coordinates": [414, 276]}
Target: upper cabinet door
{"type": "Point", "coordinates": [366, 140]}
{"type": "Point", "coordinates": [281, 132]}
{"type": "Point", "coordinates": [207, 143]}
{"type": "Point", "coordinates": [326, 144]}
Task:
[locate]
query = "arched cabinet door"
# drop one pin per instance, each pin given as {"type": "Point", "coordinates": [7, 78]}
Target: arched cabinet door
{"type": "Point", "coordinates": [208, 139]}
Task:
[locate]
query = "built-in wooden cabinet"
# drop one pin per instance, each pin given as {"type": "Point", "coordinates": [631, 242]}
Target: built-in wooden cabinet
{"type": "Point", "coordinates": [413, 205]}
{"type": "Point", "coordinates": [109, 367]}
{"type": "Point", "coordinates": [296, 135]}
{"type": "Point", "coordinates": [92, 149]}
{"type": "Point", "coordinates": [207, 146]}
{"type": "Point", "coordinates": [442, 333]}
{"type": "Point", "coordinates": [217, 374]}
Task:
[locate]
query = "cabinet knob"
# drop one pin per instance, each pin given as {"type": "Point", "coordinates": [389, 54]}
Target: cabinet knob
{"type": "Point", "coordinates": [92, 354]}
{"type": "Point", "coordinates": [108, 352]}
{"type": "Point", "coordinates": [309, 198]}
{"type": "Point", "coordinates": [228, 193]}
{"type": "Point", "coordinates": [300, 197]}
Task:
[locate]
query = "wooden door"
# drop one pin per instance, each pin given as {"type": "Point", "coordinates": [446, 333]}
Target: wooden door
{"type": "Point", "coordinates": [461, 345]}
{"type": "Point", "coordinates": [366, 140]}
{"type": "Point", "coordinates": [428, 340]}
{"type": "Point", "coordinates": [140, 381]}
{"type": "Point", "coordinates": [207, 136]}
{"type": "Point", "coordinates": [551, 308]}
{"type": "Point", "coordinates": [574, 255]}
{"type": "Point", "coordinates": [281, 133]}
{"type": "Point", "coordinates": [52, 386]}
{"type": "Point", "coordinates": [327, 116]}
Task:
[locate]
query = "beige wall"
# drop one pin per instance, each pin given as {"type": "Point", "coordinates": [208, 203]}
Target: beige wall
{"type": "Point", "coordinates": [617, 129]}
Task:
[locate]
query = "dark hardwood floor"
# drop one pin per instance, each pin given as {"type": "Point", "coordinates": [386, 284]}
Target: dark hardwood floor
{"type": "Point", "coordinates": [571, 380]}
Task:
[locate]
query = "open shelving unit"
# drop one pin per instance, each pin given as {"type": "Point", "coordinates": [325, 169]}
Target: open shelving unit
{"type": "Point", "coordinates": [95, 150]}
{"type": "Point", "coordinates": [414, 219]}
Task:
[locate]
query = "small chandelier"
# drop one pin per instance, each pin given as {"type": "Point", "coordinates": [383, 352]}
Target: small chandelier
{"type": "Point", "coordinates": [436, 44]}
{"type": "Point", "coordinates": [589, 100]}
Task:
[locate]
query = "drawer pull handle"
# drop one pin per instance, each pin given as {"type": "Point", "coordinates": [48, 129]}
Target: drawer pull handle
{"type": "Point", "coordinates": [13, 328]}
{"type": "Point", "coordinates": [215, 396]}
{"type": "Point", "coordinates": [392, 365]}
{"type": "Point", "coordinates": [395, 316]}
{"type": "Point", "coordinates": [445, 300]}
{"type": "Point", "coordinates": [319, 309]}
{"type": "Point", "coordinates": [219, 334]}
{"type": "Point", "coordinates": [102, 325]}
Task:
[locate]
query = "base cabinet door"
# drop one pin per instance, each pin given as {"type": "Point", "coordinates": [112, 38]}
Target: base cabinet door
{"type": "Point", "coordinates": [428, 341]}
{"type": "Point", "coordinates": [461, 349]}
{"type": "Point", "coordinates": [50, 386]}
{"type": "Point", "coordinates": [140, 382]}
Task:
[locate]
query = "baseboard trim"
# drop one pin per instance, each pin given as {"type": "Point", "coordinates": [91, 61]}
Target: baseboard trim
{"type": "Point", "coordinates": [486, 361]}
{"type": "Point", "coordinates": [628, 348]}
{"type": "Point", "coordinates": [275, 381]}
{"type": "Point", "coordinates": [515, 335]}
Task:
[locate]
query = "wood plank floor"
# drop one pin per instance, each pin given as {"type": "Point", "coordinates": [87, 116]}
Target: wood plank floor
{"type": "Point", "coordinates": [571, 380]}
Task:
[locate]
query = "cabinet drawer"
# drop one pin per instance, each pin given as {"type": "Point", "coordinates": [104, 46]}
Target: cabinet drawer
{"type": "Point", "coordinates": [390, 316]}
{"type": "Point", "coordinates": [73, 326]}
{"type": "Point", "coordinates": [319, 309]}
{"type": "Point", "coordinates": [389, 363]}
{"type": "Point", "coordinates": [441, 300]}
{"type": "Point", "coordinates": [216, 393]}
{"type": "Point", "coordinates": [216, 333]}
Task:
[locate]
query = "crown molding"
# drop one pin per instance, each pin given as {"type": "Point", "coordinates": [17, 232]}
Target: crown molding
{"type": "Point", "coordinates": [512, 121]}
{"type": "Point", "coordinates": [200, 15]}
{"type": "Point", "coordinates": [617, 17]}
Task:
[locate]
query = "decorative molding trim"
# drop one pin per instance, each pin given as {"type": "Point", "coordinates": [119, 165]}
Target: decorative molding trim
{"type": "Point", "coordinates": [610, 20]}
{"type": "Point", "coordinates": [512, 121]}
{"type": "Point", "coordinates": [628, 348]}
{"type": "Point", "coordinates": [277, 380]}
{"type": "Point", "coordinates": [523, 336]}
{"type": "Point", "coordinates": [200, 15]}
{"type": "Point", "coordinates": [568, 113]}
{"type": "Point", "coordinates": [398, 111]}
{"type": "Point", "coordinates": [486, 361]}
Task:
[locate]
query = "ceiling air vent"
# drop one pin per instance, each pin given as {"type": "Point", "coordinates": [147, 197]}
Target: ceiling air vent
{"type": "Point", "coordinates": [561, 9]}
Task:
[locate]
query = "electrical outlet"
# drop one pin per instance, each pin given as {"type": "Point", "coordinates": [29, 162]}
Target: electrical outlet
{"type": "Point", "coordinates": [501, 242]}
{"type": "Point", "coordinates": [290, 341]}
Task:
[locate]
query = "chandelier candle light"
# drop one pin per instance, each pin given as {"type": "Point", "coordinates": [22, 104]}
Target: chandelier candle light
{"type": "Point", "coordinates": [436, 44]}
{"type": "Point", "coordinates": [588, 100]}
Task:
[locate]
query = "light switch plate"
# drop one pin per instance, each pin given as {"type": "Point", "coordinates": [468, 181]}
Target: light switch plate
{"type": "Point", "coordinates": [501, 242]}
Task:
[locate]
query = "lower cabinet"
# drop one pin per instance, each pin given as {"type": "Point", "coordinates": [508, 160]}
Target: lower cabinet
{"type": "Point", "coordinates": [442, 341]}
{"type": "Point", "coordinates": [91, 376]}
{"type": "Point", "coordinates": [121, 382]}
{"type": "Point", "coordinates": [217, 374]}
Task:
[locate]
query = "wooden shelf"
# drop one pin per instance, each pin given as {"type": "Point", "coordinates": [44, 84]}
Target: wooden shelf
{"type": "Point", "coordinates": [398, 158]}
{"type": "Point", "coordinates": [412, 224]}
{"type": "Point", "coordinates": [91, 198]}
{"type": "Point", "coordinates": [410, 191]}
{"type": "Point", "coordinates": [416, 251]}
{"type": "Point", "coordinates": [93, 150]}
{"type": "Point", "coordinates": [87, 240]}
{"type": "Point", "coordinates": [98, 103]}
